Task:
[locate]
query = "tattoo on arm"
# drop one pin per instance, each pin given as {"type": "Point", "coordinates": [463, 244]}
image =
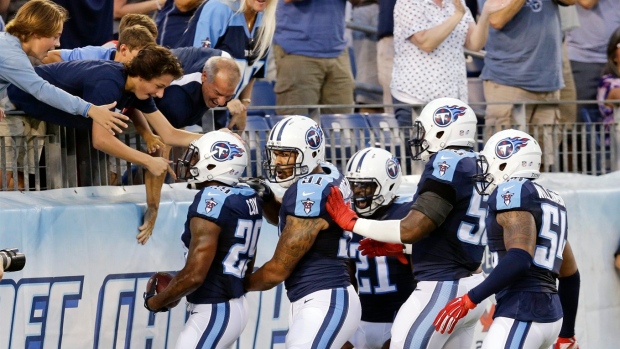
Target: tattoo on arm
{"type": "Point", "coordinates": [519, 230]}
{"type": "Point", "coordinates": [297, 238]}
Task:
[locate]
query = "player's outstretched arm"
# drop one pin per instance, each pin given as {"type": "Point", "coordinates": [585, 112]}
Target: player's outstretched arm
{"type": "Point", "coordinates": [296, 239]}
{"type": "Point", "coordinates": [426, 215]}
{"type": "Point", "coordinates": [202, 249]}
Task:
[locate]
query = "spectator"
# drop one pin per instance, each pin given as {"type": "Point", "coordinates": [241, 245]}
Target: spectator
{"type": "Point", "coordinates": [125, 7]}
{"type": "Point", "coordinates": [385, 49]}
{"type": "Point", "coordinates": [225, 25]}
{"type": "Point", "coordinates": [132, 83]}
{"type": "Point", "coordinates": [609, 85]}
{"type": "Point", "coordinates": [90, 22]}
{"type": "Point", "coordinates": [530, 306]}
{"type": "Point", "coordinates": [523, 65]}
{"type": "Point", "coordinates": [568, 112]}
{"type": "Point", "coordinates": [183, 104]}
{"type": "Point", "coordinates": [384, 283]}
{"type": "Point", "coordinates": [130, 20]}
{"type": "Point", "coordinates": [130, 42]}
{"type": "Point", "coordinates": [311, 254]}
{"type": "Point", "coordinates": [586, 44]}
{"type": "Point", "coordinates": [36, 29]}
{"type": "Point", "coordinates": [310, 34]}
{"type": "Point", "coordinates": [172, 20]}
{"type": "Point", "coordinates": [365, 12]}
{"type": "Point", "coordinates": [447, 240]}
{"type": "Point", "coordinates": [429, 61]}
{"type": "Point", "coordinates": [192, 59]}
{"type": "Point", "coordinates": [211, 280]}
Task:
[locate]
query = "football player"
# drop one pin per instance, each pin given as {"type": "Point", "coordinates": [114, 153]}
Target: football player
{"type": "Point", "coordinates": [312, 251]}
{"type": "Point", "coordinates": [220, 235]}
{"type": "Point", "coordinates": [445, 226]}
{"type": "Point", "coordinates": [527, 234]}
{"type": "Point", "coordinates": [384, 282]}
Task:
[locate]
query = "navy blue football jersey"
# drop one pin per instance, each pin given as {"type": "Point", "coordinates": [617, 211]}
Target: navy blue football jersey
{"type": "Point", "coordinates": [98, 82]}
{"type": "Point", "coordinates": [217, 24]}
{"type": "Point", "coordinates": [384, 283]}
{"type": "Point", "coordinates": [454, 250]}
{"type": "Point", "coordinates": [324, 265]}
{"type": "Point", "coordinates": [533, 297]}
{"type": "Point", "coordinates": [238, 212]}
{"type": "Point", "coordinates": [183, 104]}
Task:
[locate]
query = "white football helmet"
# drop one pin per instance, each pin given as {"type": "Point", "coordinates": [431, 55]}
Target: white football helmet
{"type": "Point", "coordinates": [216, 156]}
{"type": "Point", "coordinates": [299, 135]}
{"type": "Point", "coordinates": [443, 122]}
{"type": "Point", "coordinates": [375, 176]}
{"type": "Point", "coordinates": [507, 154]}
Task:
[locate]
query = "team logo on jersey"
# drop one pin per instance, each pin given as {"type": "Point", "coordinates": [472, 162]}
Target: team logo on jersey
{"type": "Point", "coordinates": [535, 5]}
{"type": "Point", "coordinates": [448, 114]}
{"type": "Point", "coordinates": [209, 205]}
{"type": "Point", "coordinates": [223, 151]}
{"type": "Point", "coordinates": [443, 167]}
{"type": "Point", "coordinates": [507, 196]}
{"type": "Point", "coordinates": [307, 205]}
{"type": "Point", "coordinates": [392, 168]}
{"type": "Point", "coordinates": [206, 42]}
{"type": "Point", "coordinates": [509, 146]}
{"type": "Point", "coordinates": [314, 138]}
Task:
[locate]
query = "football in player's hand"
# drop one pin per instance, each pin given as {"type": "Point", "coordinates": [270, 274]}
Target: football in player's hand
{"type": "Point", "coordinates": [162, 279]}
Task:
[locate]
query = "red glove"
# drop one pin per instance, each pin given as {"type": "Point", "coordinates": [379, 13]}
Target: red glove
{"type": "Point", "coordinates": [340, 212]}
{"type": "Point", "coordinates": [566, 343]}
{"type": "Point", "coordinates": [373, 248]}
{"type": "Point", "coordinates": [451, 314]}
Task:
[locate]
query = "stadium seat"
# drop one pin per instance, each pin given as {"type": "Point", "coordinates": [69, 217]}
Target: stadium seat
{"type": "Point", "coordinates": [262, 95]}
{"type": "Point", "coordinates": [384, 126]}
{"type": "Point", "coordinates": [386, 131]}
{"type": "Point", "coordinates": [344, 134]}
{"type": "Point", "coordinates": [273, 119]}
{"type": "Point", "coordinates": [256, 131]}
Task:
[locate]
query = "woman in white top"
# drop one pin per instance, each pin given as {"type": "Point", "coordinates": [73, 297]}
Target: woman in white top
{"type": "Point", "coordinates": [429, 41]}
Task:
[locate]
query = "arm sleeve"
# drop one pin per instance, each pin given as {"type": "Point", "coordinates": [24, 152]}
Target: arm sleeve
{"type": "Point", "coordinates": [18, 71]}
{"type": "Point", "coordinates": [511, 267]}
{"type": "Point", "coordinates": [568, 290]}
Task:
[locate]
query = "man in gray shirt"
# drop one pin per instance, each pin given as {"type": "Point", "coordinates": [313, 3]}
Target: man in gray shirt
{"type": "Point", "coordinates": [522, 64]}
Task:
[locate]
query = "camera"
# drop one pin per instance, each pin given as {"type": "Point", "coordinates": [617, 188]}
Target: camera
{"type": "Point", "coordinates": [12, 259]}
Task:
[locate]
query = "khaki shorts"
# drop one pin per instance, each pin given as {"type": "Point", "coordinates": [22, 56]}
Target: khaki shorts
{"type": "Point", "coordinates": [19, 136]}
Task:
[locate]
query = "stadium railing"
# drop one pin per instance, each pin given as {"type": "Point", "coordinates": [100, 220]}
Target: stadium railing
{"type": "Point", "coordinates": [68, 159]}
